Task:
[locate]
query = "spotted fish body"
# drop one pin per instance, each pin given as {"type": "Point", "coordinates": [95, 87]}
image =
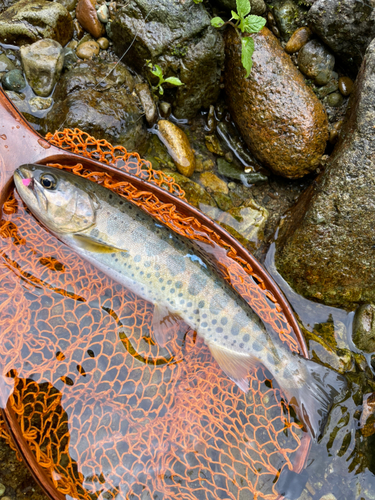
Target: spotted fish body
{"type": "Point", "coordinates": [149, 259]}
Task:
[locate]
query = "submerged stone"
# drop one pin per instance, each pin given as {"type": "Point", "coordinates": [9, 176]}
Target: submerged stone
{"type": "Point", "coordinates": [195, 194]}
{"type": "Point", "coordinates": [280, 118]}
{"type": "Point", "coordinates": [14, 80]}
{"type": "Point", "coordinates": [314, 59]}
{"type": "Point", "coordinates": [325, 248]}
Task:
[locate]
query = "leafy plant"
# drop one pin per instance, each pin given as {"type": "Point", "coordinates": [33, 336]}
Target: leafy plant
{"type": "Point", "coordinates": [246, 24]}
{"type": "Point", "coordinates": [157, 71]}
{"type": "Point", "coordinates": [197, 1]}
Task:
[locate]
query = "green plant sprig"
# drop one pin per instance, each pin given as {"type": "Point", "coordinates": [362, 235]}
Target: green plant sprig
{"type": "Point", "coordinates": [246, 24]}
{"type": "Point", "coordinates": [157, 71]}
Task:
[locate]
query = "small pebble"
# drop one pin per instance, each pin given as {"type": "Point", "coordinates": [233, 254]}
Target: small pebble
{"type": "Point", "coordinates": [299, 38]}
{"type": "Point", "coordinates": [335, 100]}
{"type": "Point", "coordinates": [39, 104]}
{"type": "Point", "coordinates": [6, 64]}
{"type": "Point", "coordinates": [87, 50]}
{"type": "Point", "coordinates": [14, 80]}
{"type": "Point", "coordinates": [103, 13]}
{"type": "Point", "coordinates": [88, 17]}
{"type": "Point", "coordinates": [212, 182]}
{"type": "Point", "coordinates": [103, 43]}
{"type": "Point", "coordinates": [229, 156]}
{"type": "Point", "coordinates": [2, 489]}
{"type": "Point", "coordinates": [345, 85]}
{"type": "Point", "coordinates": [165, 109]}
{"type": "Point", "coordinates": [335, 131]}
{"type": "Point", "coordinates": [72, 45]}
{"type": "Point", "coordinates": [178, 146]}
{"type": "Point", "coordinates": [323, 77]}
{"type": "Point", "coordinates": [78, 29]}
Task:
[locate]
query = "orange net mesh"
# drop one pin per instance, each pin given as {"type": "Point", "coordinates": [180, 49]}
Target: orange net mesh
{"type": "Point", "coordinates": [106, 411]}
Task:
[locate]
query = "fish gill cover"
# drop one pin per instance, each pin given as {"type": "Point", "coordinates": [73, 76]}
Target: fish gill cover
{"type": "Point", "coordinates": [106, 411]}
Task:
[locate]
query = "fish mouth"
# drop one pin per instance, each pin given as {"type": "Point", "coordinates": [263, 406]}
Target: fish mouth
{"type": "Point", "coordinates": [24, 176]}
{"type": "Point", "coordinates": [27, 187]}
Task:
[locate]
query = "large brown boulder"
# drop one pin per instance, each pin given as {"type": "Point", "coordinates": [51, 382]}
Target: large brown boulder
{"type": "Point", "coordinates": [326, 247]}
{"type": "Point", "coordinates": [279, 116]}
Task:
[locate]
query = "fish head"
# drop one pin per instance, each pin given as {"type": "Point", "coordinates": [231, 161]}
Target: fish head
{"type": "Point", "coordinates": [61, 201]}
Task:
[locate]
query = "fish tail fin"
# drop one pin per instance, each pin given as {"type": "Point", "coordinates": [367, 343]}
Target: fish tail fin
{"type": "Point", "coordinates": [313, 398]}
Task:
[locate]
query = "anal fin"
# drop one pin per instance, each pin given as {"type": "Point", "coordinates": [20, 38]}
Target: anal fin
{"type": "Point", "coordinates": [235, 364]}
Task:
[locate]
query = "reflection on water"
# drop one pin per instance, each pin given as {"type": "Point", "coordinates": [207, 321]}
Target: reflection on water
{"type": "Point", "coordinates": [106, 411]}
{"type": "Point", "coordinates": [343, 463]}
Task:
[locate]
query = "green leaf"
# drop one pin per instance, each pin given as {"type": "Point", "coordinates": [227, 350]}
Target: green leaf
{"type": "Point", "coordinates": [198, 1]}
{"type": "Point", "coordinates": [253, 24]}
{"type": "Point", "coordinates": [161, 90]}
{"type": "Point", "coordinates": [246, 53]}
{"type": "Point", "coordinates": [235, 15]}
{"type": "Point", "coordinates": [217, 22]}
{"type": "Point", "coordinates": [173, 81]}
{"type": "Point", "coordinates": [243, 7]}
{"type": "Point", "coordinates": [157, 71]}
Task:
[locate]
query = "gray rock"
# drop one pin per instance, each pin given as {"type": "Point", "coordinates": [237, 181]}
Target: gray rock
{"type": "Point", "coordinates": [314, 59]}
{"type": "Point", "coordinates": [325, 248]}
{"type": "Point", "coordinates": [286, 14]}
{"type": "Point", "coordinates": [346, 26]}
{"type": "Point", "coordinates": [103, 106]}
{"type": "Point", "coordinates": [5, 63]}
{"type": "Point", "coordinates": [364, 328]}
{"type": "Point", "coordinates": [103, 13]}
{"type": "Point", "coordinates": [42, 62]}
{"type": "Point", "coordinates": [258, 7]}
{"type": "Point", "coordinates": [179, 38]}
{"type": "Point", "coordinates": [30, 20]}
{"type": "Point", "coordinates": [70, 57]}
{"type": "Point", "coordinates": [147, 101]}
{"type": "Point", "coordinates": [13, 80]}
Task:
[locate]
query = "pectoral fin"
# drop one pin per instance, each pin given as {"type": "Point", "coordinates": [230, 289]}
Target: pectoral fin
{"type": "Point", "coordinates": [161, 320]}
{"type": "Point", "coordinates": [236, 365]}
{"type": "Point", "coordinates": [91, 245]}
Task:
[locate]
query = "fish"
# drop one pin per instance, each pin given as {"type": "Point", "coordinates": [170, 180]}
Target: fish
{"type": "Point", "coordinates": [164, 268]}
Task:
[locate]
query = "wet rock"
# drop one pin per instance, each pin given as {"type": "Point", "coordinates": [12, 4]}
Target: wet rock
{"type": "Point", "coordinates": [87, 16]}
{"type": "Point", "coordinates": [334, 100]}
{"type": "Point", "coordinates": [246, 223]}
{"type": "Point", "coordinates": [213, 145]}
{"type": "Point", "coordinates": [213, 183]}
{"type": "Point", "coordinates": [258, 7]}
{"type": "Point", "coordinates": [299, 38]}
{"type": "Point", "coordinates": [103, 43]}
{"type": "Point", "coordinates": [147, 101]}
{"type": "Point", "coordinates": [224, 202]}
{"type": "Point", "coordinates": [195, 194]}
{"type": "Point", "coordinates": [165, 109]}
{"type": "Point", "coordinates": [2, 489]}
{"type": "Point", "coordinates": [42, 62]}
{"type": "Point", "coordinates": [325, 248]}
{"type": "Point", "coordinates": [87, 50]}
{"type": "Point", "coordinates": [78, 30]}
{"type": "Point", "coordinates": [335, 132]}
{"type": "Point", "coordinates": [29, 21]}
{"type": "Point", "coordinates": [286, 15]}
{"type": "Point", "coordinates": [13, 80]}
{"type": "Point", "coordinates": [179, 38]}
{"type": "Point", "coordinates": [364, 328]}
{"type": "Point", "coordinates": [280, 118]}
{"type": "Point", "coordinates": [103, 13]}
{"type": "Point", "coordinates": [345, 85]}
{"type": "Point", "coordinates": [314, 58]}
{"type": "Point", "coordinates": [70, 57]}
{"type": "Point", "coordinates": [114, 115]}
{"type": "Point", "coordinates": [346, 26]}
{"type": "Point", "coordinates": [6, 64]}
{"type": "Point", "coordinates": [330, 87]}
{"type": "Point", "coordinates": [233, 172]}
{"type": "Point", "coordinates": [19, 100]}
{"type": "Point", "coordinates": [367, 420]}
{"type": "Point", "coordinates": [39, 104]}
{"type": "Point", "coordinates": [178, 146]}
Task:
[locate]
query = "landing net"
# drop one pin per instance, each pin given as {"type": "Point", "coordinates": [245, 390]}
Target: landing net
{"type": "Point", "coordinates": [105, 410]}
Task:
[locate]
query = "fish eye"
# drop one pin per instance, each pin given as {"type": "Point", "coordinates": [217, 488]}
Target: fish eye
{"type": "Point", "coordinates": [48, 181]}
